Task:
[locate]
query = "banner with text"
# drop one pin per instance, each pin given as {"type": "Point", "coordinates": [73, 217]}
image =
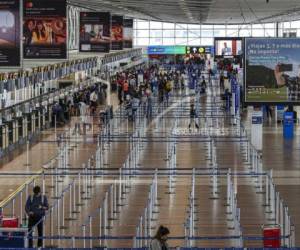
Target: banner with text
{"type": "Point", "coordinates": [272, 71]}
{"type": "Point", "coordinates": [10, 33]}
{"type": "Point", "coordinates": [128, 33]}
{"type": "Point", "coordinates": [45, 29]}
{"type": "Point", "coordinates": [117, 32]}
{"type": "Point", "coordinates": [95, 32]}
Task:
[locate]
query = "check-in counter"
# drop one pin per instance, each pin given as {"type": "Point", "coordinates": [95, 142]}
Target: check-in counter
{"type": "Point", "coordinates": [19, 129]}
{"type": "Point", "coordinates": [10, 126]}
{"type": "Point", "coordinates": [4, 132]}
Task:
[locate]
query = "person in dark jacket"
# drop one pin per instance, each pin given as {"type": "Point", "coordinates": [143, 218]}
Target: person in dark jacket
{"type": "Point", "coordinates": [193, 116]}
{"type": "Point", "coordinates": [36, 207]}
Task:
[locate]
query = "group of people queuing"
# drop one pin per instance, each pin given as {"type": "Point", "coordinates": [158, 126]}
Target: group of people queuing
{"type": "Point", "coordinates": [81, 105]}
{"type": "Point", "coordinates": [139, 86]}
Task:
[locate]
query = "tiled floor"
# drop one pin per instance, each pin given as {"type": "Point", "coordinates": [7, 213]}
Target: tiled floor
{"type": "Point", "coordinates": [192, 152]}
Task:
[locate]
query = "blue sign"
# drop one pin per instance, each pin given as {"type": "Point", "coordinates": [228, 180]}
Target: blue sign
{"type": "Point", "coordinates": [166, 50]}
{"type": "Point", "coordinates": [288, 125]}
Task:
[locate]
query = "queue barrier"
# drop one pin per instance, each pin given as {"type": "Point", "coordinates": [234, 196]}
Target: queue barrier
{"type": "Point", "coordinates": [131, 169]}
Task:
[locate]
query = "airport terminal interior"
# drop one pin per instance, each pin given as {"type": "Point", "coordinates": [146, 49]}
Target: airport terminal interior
{"type": "Point", "coordinates": [149, 124]}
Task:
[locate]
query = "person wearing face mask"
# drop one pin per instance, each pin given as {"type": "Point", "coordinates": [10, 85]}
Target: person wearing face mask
{"type": "Point", "coordinates": [159, 241]}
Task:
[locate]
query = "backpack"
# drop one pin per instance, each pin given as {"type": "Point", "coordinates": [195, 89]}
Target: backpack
{"type": "Point", "coordinates": [169, 86]}
{"type": "Point", "coordinates": [43, 199]}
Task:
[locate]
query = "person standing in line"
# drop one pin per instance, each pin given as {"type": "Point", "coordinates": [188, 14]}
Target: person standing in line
{"type": "Point", "coordinates": [83, 109]}
{"type": "Point", "coordinates": [160, 239]}
{"type": "Point", "coordinates": [36, 207]}
{"type": "Point", "coordinates": [93, 102]}
{"type": "Point", "coordinates": [125, 89]}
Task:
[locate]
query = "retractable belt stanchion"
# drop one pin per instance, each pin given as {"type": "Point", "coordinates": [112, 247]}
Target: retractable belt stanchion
{"type": "Point", "coordinates": [214, 171]}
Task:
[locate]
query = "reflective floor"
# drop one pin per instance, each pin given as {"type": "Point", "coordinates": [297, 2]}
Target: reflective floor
{"type": "Point", "coordinates": [164, 143]}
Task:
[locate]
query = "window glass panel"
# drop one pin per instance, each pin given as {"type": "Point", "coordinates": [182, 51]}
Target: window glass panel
{"type": "Point", "coordinates": [245, 32]}
{"type": "Point", "coordinates": [286, 25]}
{"type": "Point", "coordinates": [181, 26]}
{"type": "Point", "coordinates": [270, 33]}
{"type": "Point", "coordinates": [219, 33]}
{"type": "Point", "coordinates": [207, 41]}
{"type": "Point", "coordinates": [180, 41]}
{"type": "Point", "coordinates": [232, 33]}
{"type": "Point", "coordinates": [194, 41]}
{"type": "Point", "coordinates": [168, 33]}
{"type": "Point", "coordinates": [258, 33]}
{"type": "Point", "coordinates": [270, 25]}
{"type": "Point", "coordinates": [142, 25]}
{"type": "Point", "coordinates": [193, 27]}
{"type": "Point", "coordinates": [142, 41]}
{"type": "Point", "coordinates": [168, 41]}
{"type": "Point", "coordinates": [155, 33]}
{"type": "Point", "coordinates": [207, 33]}
{"type": "Point", "coordinates": [232, 27]}
{"type": "Point", "coordinates": [155, 41]}
{"type": "Point", "coordinates": [219, 27]}
{"type": "Point", "coordinates": [168, 25]}
{"type": "Point", "coordinates": [194, 33]}
{"type": "Point", "coordinates": [155, 25]}
{"type": "Point", "coordinates": [295, 24]}
{"type": "Point", "coordinates": [142, 33]}
{"type": "Point", "coordinates": [257, 26]}
{"type": "Point", "coordinates": [181, 33]}
{"type": "Point", "coordinates": [207, 27]}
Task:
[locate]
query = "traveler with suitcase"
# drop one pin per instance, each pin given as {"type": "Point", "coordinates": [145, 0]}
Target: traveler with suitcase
{"type": "Point", "coordinates": [36, 207]}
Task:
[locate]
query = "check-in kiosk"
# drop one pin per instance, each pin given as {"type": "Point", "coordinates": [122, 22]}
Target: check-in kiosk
{"type": "Point", "coordinates": [10, 126]}
{"type": "Point", "coordinates": [2, 136]}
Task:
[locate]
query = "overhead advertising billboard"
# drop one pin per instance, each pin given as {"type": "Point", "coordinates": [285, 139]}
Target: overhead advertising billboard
{"type": "Point", "coordinates": [199, 49]}
{"type": "Point", "coordinates": [44, 29]}
{"type": "Point", "coordinates": [128, 33]}
{"type": "Point", "coordinates": [94, 32]}
{"type": "Point", "coordinates": [10, 33]}
{"type": "Point", "coordinates": [272, 70]}
{"type": "Point", "coordinates": [228, 47]}
{"type": "Point", "coordinates": [117, 32]}
{"type": "Point", "coordinates": [166, 50]}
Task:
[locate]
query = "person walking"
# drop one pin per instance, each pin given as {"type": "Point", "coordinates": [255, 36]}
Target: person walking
{"type": "Point", "coordinates": [193, 116]}
{"type": "Point", "coordinates": [36, 207]}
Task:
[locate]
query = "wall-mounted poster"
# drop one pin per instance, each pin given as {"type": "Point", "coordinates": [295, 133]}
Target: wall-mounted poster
{"type": "Point", "coordinates": [10, 33]}
{"type": "Point", "coordinates": [117, 32]}
{"type": "Point", "coordinates": [45, 29]}
{"type": "Point", "coordinates": [128, 33]}
{"type": "Point", "coordinates": [94, 32]}
{"type": "Point", "coordinates": [272, 70]}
